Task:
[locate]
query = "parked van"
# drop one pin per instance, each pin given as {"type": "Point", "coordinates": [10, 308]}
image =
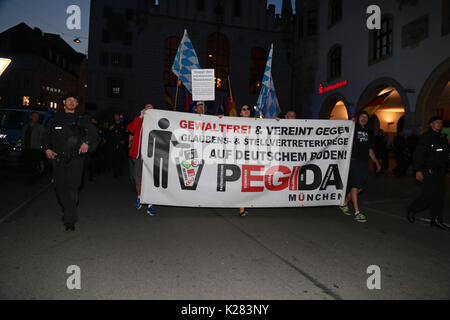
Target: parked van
{"type": "Point", "coordinates": [12, 120]}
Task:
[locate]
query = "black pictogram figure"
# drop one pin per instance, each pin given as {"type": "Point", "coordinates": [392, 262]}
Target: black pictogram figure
{"type": "Point", "coordinates": [161, 140]}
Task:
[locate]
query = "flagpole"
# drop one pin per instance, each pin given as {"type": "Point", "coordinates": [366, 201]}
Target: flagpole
{"type": "Point", "coordinates": [179, 71]}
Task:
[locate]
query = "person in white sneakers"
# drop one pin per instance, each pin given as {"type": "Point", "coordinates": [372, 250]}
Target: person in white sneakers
{"type": "Point", "coordinates": [135, 128]}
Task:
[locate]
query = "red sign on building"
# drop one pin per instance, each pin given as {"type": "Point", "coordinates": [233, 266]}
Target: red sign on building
{"type": "Point", "coordinates": [325, 89]}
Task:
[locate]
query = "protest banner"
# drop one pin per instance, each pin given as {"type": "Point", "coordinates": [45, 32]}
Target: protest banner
{"type": "Point", "coordinates": [197, 160]}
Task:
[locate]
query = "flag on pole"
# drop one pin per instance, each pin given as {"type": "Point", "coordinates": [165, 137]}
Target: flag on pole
{"type": "Point", "coordinates": [232, 111]}
{"type": "Point", "coordinates": [185, 60]}
{"type": "Point", "coordinates": [267, 105]}
{"type": "Point", "coordinates": [168, 99]}
{"type": "Point", "coordinates": [375, 104]}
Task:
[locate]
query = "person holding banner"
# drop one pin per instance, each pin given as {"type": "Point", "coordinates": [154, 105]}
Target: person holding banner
{"type": "Point", "coordinates": [359, 168]}
{"type": "Point", "coordinates": [135, 128]}
{"type": "Point", "coordinates": [245, 113]}
{"type": "Point", "coordinates": [200, 107]}
{"type": "Point", "coordinates": [291, 114]}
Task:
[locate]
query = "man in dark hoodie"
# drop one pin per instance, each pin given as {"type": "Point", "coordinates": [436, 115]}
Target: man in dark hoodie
{"type": "Point", "coordinates": [359, 166]}
{"type": "Point", "coordinates": [431, 163]}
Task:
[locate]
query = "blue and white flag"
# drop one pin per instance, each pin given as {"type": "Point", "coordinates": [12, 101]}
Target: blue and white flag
{"type": "Point", "coordinates": [189, 61]}
{"type": "Point", "coordinates": [267, 104]}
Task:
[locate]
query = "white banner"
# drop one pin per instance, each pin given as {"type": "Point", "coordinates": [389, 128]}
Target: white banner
{"type": "Point", "coordinates": [202, 161]}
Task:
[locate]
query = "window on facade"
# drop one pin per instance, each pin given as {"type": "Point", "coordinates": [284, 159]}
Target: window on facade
{"type": "Point", "coordinates": [107, 12]}
{"type": "Point", "coordinates": [170, 50]}
{"type": "Point", "coordinates": [129, 14]}
{"type": "Point", "coordinates": [26, 101]}
{"type": "Point", "coordinates": [129, 61]}
{"type": "Point", "coordinates": [26, 82]}
{"type": "Point", "coordinates": [128, 40]}
{"type": "Point", "coordinates": [115, 60]}
{"type": "Point", "coordinates": [200, 5]}
{"type": "Point", "coordinates": [300, 27]}
{"type": "Point", "coordinates": [258, 58]}
{"type": "Point", "coordinates": [237, 8]}
{"type": "Point", "coordinates": [312, 22]}
{"type": "Point", "coordinates": [334, 63]}
{"type": "Point", "coordinates": [104, 59]}
{"type": "Point", "coordinates": [217, 58]}
{"type": "Point", "coordinates": [115, 88]}
{"type": "Point", "coordinates": [335, 12]}
{"type": "Point", "coordinates": [106, 36]}
{"type": "Point", "coordinates": [50, 54]}
{"type": "Point", "coordinates": [445, 17]}
{"type": "Point", "coordinates": [382, 40]}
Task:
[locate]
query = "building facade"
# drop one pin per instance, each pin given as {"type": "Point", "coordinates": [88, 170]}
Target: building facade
{"type": "Point", "coordinates": [43, 69]}
{"type": "Point", "coordinates": [342, 65]}
{"type": "Point", "coordinates": [132, 45]}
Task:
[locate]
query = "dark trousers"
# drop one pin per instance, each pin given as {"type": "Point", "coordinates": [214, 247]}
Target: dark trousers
{"type": "Point", "coordinates": [33, 159]}
{"type": "Point", "coordinates": [67, 180]}
{"type": "Point", "coordinates": [432, 196]}
{"type": "Point", "coordinates": [118, 161]}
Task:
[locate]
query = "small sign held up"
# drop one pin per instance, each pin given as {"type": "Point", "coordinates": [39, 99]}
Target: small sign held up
{"type": "Point", "coordinates": [203, 85]}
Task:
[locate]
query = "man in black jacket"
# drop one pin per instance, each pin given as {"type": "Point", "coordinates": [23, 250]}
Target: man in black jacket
{"type": "Point", "coordinates": [431, 162]}
{"type": "Point", "coordinates": [69, 137]}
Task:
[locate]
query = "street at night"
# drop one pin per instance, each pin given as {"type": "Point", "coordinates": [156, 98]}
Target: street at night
{"type": "Point", "coordinates": [208, 254]}
{"type": "Point", "coordinates": [222, 158]}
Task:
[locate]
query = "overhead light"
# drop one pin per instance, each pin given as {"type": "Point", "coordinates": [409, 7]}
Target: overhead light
{"type": "Point", "coordinates": [4, 63]}
{"type": "Point", "coordinates": [77, 40]}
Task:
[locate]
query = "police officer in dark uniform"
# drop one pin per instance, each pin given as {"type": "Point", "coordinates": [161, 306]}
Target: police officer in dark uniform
{"type": "Point", "coordinates": [431, 161]}
{"type": "Point", "coordinates": [69, 137]}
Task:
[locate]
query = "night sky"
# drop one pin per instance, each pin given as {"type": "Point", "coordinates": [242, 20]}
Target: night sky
{"type": "Point", "coordinates": [50, 16]}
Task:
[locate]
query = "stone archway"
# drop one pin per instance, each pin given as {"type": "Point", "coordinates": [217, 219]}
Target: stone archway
{"type": "Point", "coordinates": [376, 86]}
{"type": "Point", "coordinates": [431, 92]}
{"type": "Point", "coordinates": [394, 107]}
{"type": "Point", "coordinates": [329, 104]}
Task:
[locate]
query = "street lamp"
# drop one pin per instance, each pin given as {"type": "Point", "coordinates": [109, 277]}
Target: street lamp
{"type": "Point", "coordinates": [4, 63]}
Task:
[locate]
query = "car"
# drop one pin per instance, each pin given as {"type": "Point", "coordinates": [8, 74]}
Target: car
{"type": "Point", "coordinates": [12, 120]}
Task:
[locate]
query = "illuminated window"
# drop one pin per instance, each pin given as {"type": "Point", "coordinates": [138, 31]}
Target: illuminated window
{"type": "Point", "coordinates": [334, 63]}
{"type": "Point", "coordinates": [170, 51]}
{"type": "Point", "coordinates": [218, 54]}
{"type": "Point", "coordinates": [115, 88]}
{"type": "Point", "coordinates": [26, 101]}
{"type": "Point", "coordinates": [258, 59]}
